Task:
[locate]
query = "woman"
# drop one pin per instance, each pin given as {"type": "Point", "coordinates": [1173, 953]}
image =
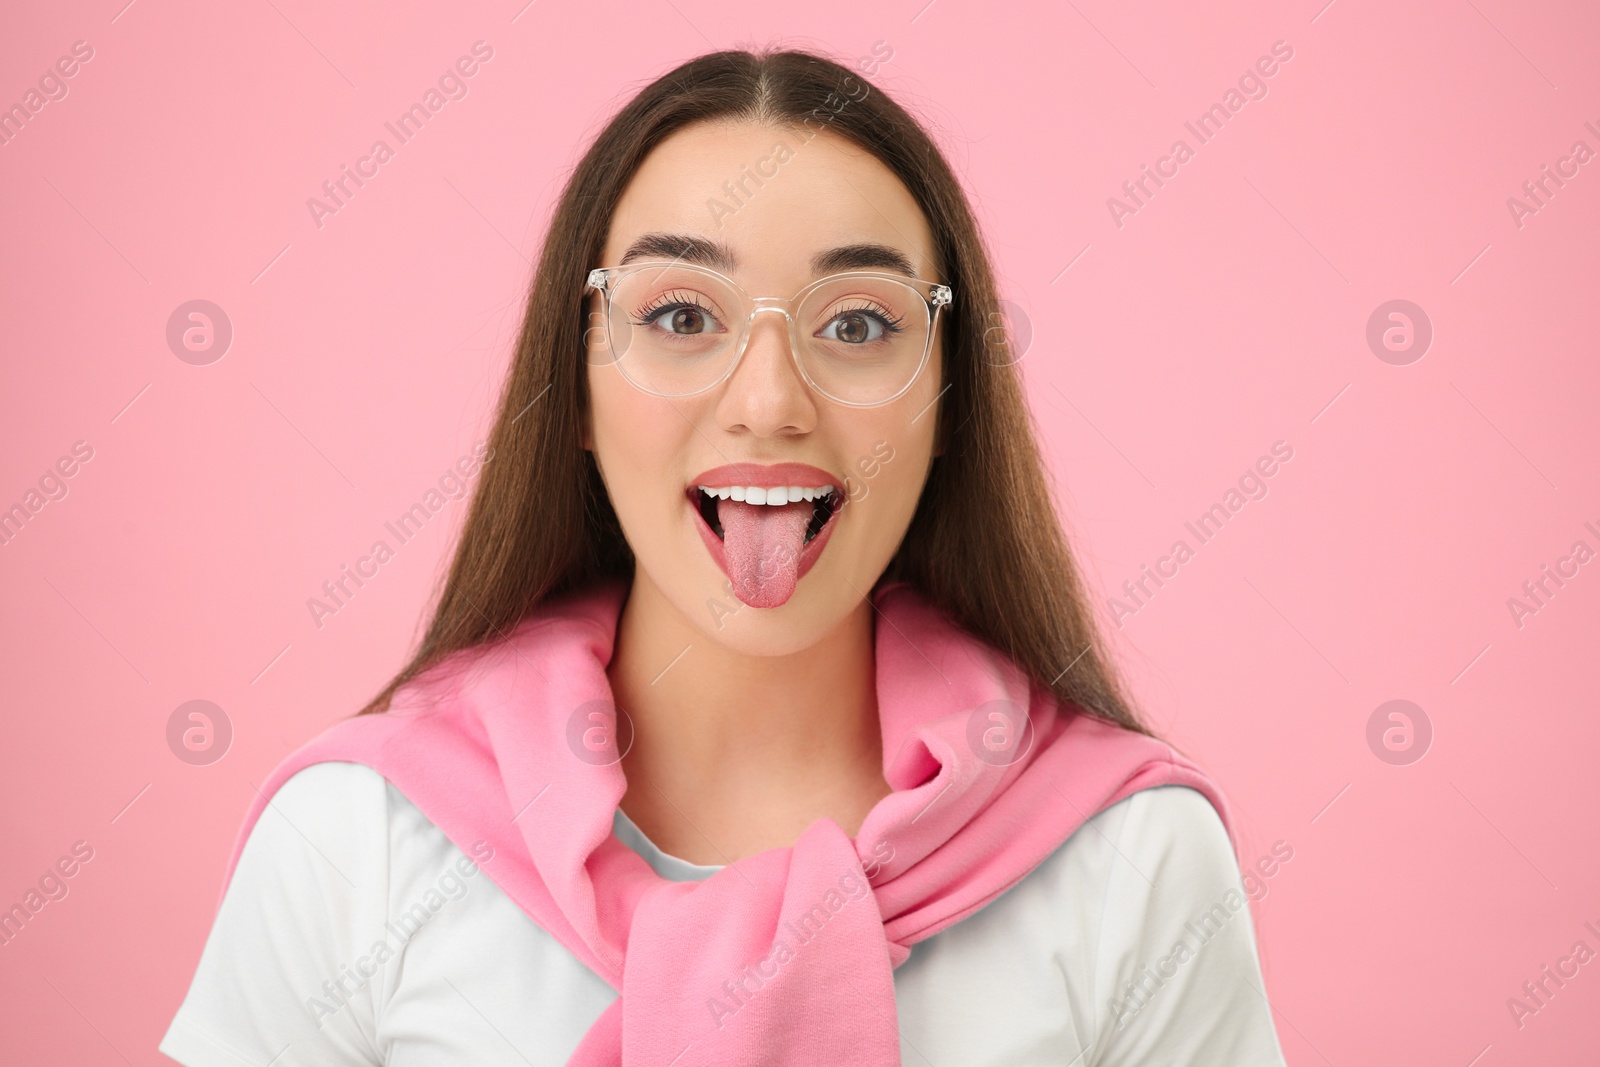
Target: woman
{"type": "Point", "coordinates": [761, 711]}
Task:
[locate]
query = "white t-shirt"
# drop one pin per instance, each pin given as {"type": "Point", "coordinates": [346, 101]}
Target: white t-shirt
{"type": "Point", "coordinates": [355, 932]}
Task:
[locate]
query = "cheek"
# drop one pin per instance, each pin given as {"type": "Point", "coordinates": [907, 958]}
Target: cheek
{"type": "Point", "coordinates": [890, 457]}
{"type": "Point", "coordinates": [639, 443]}
{"type": "Point", "coordinates": [642, 445]}
{"type": "Point", "coordinates": [888, 468]}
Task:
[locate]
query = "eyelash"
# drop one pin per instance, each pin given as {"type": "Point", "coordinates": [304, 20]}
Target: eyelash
{"type": "Point", "coordinates": [643, 316]}
{"type": "Point", "coordinates": [891, 323]}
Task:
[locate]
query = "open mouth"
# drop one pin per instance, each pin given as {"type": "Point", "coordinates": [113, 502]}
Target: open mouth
{"type": "Point", "coordinates": [824, 500]}
{"type": "Point", "coordinates": [764, 538]}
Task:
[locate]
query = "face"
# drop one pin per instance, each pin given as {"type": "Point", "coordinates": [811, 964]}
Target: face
{"type": "Point", "coordinates": [764, 579]}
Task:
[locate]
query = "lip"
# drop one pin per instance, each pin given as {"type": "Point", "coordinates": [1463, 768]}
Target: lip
{"type": "Point", "coordinates": [766, 476]}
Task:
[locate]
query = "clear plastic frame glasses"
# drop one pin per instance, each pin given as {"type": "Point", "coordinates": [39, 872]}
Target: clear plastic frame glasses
{"type": "Point", "coordinates": [859, 338]}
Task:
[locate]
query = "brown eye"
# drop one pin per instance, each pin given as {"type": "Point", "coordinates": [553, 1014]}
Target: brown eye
{"type": "Point", "coordinates": [852, 328]}
{"type": "Point", "coordinates": [857, 327]}
{"type": "Point", "coordinates": [678, 318]}
{"type": "Point", "coordinates": [687, 320]}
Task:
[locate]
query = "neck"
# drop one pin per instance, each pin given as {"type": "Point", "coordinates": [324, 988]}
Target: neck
{"type": "Point", "coordinates": [733, 753]}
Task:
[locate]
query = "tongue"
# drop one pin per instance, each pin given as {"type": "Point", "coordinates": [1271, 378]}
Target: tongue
{"type": "Point", "coordinates": [761, 544]}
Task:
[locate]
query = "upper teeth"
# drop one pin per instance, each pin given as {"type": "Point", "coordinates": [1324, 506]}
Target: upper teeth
{"type": "Point", "coordinates": [756, 494]}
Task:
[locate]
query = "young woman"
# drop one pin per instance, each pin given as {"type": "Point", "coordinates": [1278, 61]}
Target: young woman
{"type": "Point", "coordinates": [762, 717]}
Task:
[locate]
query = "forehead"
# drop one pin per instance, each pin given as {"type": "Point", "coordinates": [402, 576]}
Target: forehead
{"type": "Point", "coordinates": [770, 205]}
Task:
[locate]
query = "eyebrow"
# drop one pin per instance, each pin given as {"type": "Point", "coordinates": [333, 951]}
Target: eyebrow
{"type": "Point", "coordinates": [865, 255]}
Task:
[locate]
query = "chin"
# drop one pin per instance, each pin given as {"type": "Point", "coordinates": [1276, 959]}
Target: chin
{"type": "Point", "coordinates": [793, 629]}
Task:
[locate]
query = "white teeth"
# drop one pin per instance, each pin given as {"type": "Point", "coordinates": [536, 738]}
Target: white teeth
{"type": "Point", "coordinates": [775, 495]}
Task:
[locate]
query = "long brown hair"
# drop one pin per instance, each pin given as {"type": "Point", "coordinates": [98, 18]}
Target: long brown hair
{"type": "Point", "coordinates": [985, 544]}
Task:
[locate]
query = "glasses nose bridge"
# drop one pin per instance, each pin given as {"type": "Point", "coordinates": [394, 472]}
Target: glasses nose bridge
{"type": "Point", "coordinates": [780, 305]}
{"type": "Point", "coordinates": [758, 304]}
{"type": "Point", "coordinates": [770, 303]}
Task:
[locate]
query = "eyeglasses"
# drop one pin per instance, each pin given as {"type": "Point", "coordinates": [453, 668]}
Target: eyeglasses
{"type": "Point", "coordinates": [859, 338]}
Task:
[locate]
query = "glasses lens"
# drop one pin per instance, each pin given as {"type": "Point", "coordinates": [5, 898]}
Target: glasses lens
{"type": "Point", "coordinates": [674, 328]}
{"type": "Point", "coordinates": [863, 339]}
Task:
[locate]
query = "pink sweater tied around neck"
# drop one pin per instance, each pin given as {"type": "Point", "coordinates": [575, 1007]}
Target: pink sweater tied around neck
{"type": "Point", "coordinates": [785, 957]}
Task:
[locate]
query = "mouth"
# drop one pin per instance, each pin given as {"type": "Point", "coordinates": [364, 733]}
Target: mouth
{"type": "Point", "coordinates": [824, 501]}
{"type": "Point", "coordinates": [765, 526]}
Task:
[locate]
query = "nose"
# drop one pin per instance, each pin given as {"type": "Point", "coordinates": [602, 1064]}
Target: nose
{"type": "Point", "coordinates": [766, 395]}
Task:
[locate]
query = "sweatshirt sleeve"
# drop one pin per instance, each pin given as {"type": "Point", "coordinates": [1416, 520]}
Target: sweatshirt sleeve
{"type": "Point", "coordinates": [279, 978]}
{"type": "Point", "coordinates": [1176, 976]}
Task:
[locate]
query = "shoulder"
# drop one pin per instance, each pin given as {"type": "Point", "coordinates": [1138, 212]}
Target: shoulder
{"type": "Point", "coordinates": [1135, 866]}
{"type": "Point", "coordinates": [1079, 955]}
{"type": "Point", "coordinates": [1098, 889]}
{"type": "Point", "coordinates": [312, 876]}
{"type": "Point", "coordinates": [339, 792]}
{"type": "Point", "coordinates": [1175, 830]}
{"type": "Point", "coordinates": [1169, 830]}
{"type": "Point", "coordinates": [1174, 957]}
{"type": "Point", "coordinates": [327, 816]}
{"type": "Point", "coordinates": [1152, 924]}
{"type": "Point", "coordinates": [1088, 896]}
{"type": "Point", "coordinates": [329, 820]}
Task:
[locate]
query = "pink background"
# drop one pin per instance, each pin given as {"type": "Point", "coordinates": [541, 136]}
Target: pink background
{"type": "Point", "coordinates": [1228, 313]}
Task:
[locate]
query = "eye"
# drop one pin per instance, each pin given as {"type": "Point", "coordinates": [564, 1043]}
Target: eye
{"type": "Point", "coordinates": [678, 315]}
{"type": "Point", "coordinates": [859, 326]}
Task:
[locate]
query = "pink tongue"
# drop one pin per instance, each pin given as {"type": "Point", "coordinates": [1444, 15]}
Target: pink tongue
{"type": "Point", "coordinates": [761, 544]}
